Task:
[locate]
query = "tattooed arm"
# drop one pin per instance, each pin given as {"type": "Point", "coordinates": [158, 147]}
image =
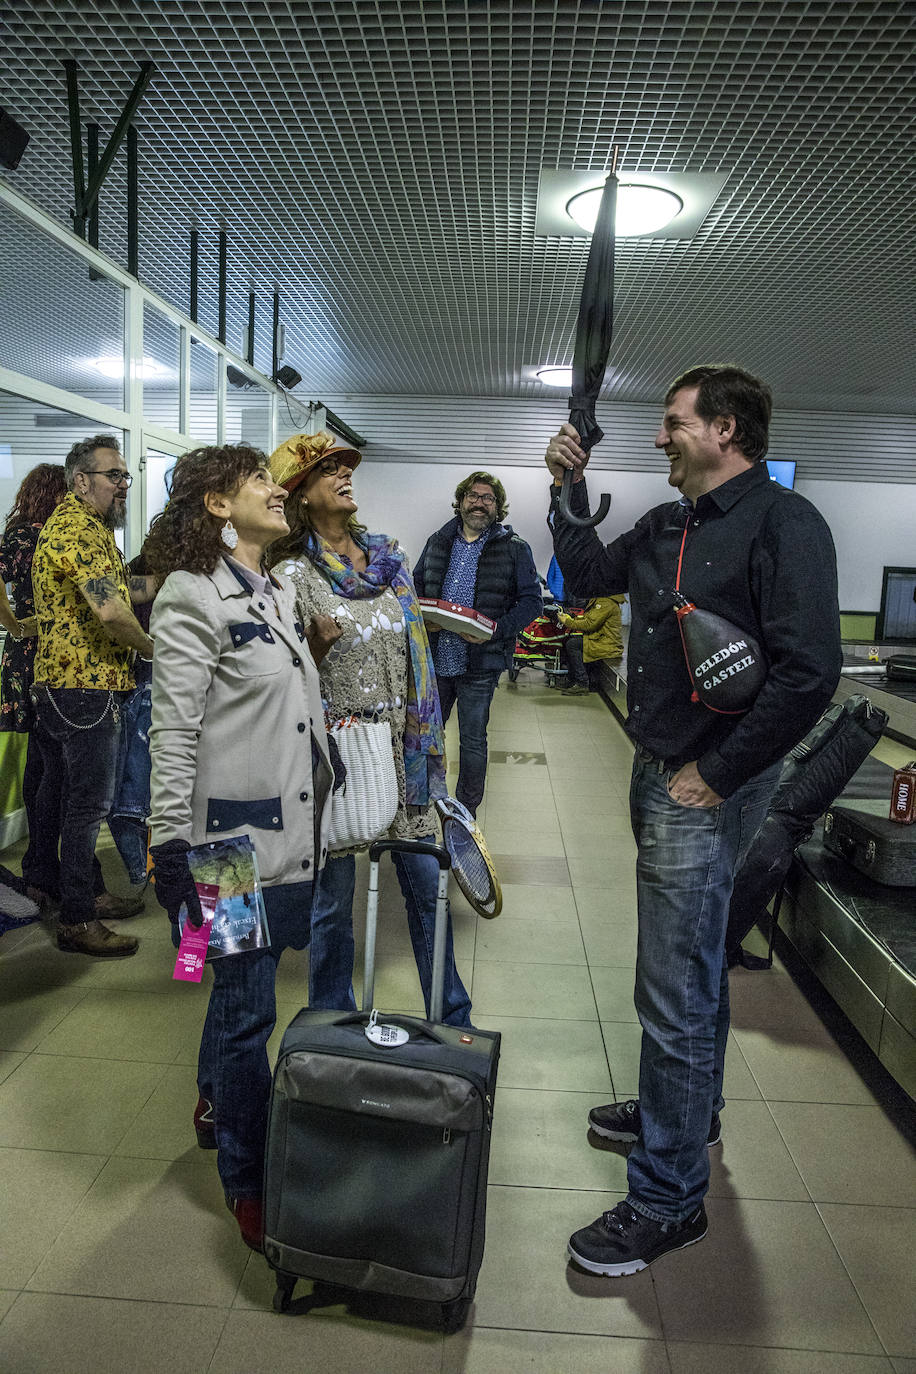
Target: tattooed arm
{"type": "Point", "coordinates": [142, 589]}
{"type": "Point", "coordinates": [104, 598]}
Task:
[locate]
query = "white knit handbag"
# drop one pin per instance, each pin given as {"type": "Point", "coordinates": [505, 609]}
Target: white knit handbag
{"type": "Point", "coordinates": [363, 809]}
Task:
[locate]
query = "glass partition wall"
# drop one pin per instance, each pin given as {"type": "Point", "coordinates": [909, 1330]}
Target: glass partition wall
{"type": "Point", "coordinates": [86, 349]}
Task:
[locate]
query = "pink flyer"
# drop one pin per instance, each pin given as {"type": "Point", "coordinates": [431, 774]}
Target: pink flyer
{"type": "Point", "coordinates": [192, 952]}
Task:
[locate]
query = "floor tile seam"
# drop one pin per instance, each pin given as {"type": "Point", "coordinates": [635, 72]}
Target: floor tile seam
{"type": "Point", "coordinates": [99, 1058]}
{"type": "Point", "coordinates": [795, 1163]}
{"type": "Point", "coordinates": [830, 1102]}
{"type": "Point", "coordinates": [564, 1331]}
{"type": "Point", "coordinates": [51, 1029]}
{"type": "Point", "coordinates": [66, 1221]}
{"type": "Point", "coordinates": [125, 1297]}
{"type": "Point", "coordinates": [847, 1271]}
{"type": "Point", "coordinates": [791, 1349]}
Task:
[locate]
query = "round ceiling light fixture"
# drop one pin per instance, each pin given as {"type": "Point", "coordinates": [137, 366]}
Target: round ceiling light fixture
{"type": "Point", "coordinates": [112, 365]}
{"type": "Point", "coordinates": [640, 209]}
{"type": "Point", "coordinates": [555, 376]}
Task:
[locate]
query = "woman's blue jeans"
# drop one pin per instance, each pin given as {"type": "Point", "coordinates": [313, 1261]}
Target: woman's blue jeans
{"type": "Point", "coordinates": [331, 949]}
{"type": "Point", "coordinates": [684, 875]}
{"type": "Point", "coordinates": [233, 1072]}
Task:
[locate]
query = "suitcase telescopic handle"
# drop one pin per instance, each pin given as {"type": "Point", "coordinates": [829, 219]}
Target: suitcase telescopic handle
{"type": "Point", "coordinates": [397, 1018]}
{"type": "Point", "coordinates": [441, 855]}
{"type": "Point", "coordinates": [436, 851]}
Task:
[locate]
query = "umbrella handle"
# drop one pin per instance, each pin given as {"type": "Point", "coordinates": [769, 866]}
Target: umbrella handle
{"type": "Point", "coordinates": [604, 504]}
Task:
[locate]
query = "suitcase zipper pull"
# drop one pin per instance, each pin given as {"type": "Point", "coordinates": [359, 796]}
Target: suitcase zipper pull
{"type": "Point", "coordinates": [446, 1135]}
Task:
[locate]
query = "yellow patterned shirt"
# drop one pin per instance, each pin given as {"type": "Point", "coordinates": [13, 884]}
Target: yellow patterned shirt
{"type": "Point", "coordinates": [74, 649]}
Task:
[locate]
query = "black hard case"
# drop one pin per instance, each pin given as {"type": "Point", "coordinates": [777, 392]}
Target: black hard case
{"type": "Point", "coordinates": [861, 833]}
{"type": "Point", "coordinates": [376, 1167]}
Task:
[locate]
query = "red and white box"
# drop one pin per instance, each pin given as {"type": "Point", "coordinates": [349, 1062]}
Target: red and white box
{"type": "Point", "coordinates": [464, 620]}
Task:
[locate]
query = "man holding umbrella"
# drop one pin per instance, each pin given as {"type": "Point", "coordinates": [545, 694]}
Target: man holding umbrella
{"type": "Point", "coordinates": [702, 777]}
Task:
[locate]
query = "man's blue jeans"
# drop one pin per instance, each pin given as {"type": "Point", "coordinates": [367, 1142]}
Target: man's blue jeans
{"type": "Point", "coordinates": [331, 949]}
{"type": "Point", "coordinates": [233, 1072]}
{"type": "Point", "coordinates": [684, 875]}
{"type": "Point", "coordinates": [78, 735]}
{"type": "Point", "coordinates": [127, 821]}
{"type": "Point", "coordinates": [473, 692]}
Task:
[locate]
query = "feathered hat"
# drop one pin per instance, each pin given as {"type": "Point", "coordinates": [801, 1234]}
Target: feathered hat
{"type": "Point", "coordinates": [295, 458]}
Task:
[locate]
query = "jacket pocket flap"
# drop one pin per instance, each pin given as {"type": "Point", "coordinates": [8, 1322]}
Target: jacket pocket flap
{"type": "Point", "coordinates": [224, 814]}
{"type": "Point", "coordinates": [244, 633]}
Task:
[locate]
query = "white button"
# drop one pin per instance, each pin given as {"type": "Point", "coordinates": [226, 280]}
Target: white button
{"type": "Point", "coordinates": [635, 708]}
{"type": "Point", "coordinates": [639, 670]}
{"type": "Point", "coordinates": [276, 820]}
{"type": "Point", "coordinates": [650, 630]}
{"type": "Point", "coordinates": [215, 824]}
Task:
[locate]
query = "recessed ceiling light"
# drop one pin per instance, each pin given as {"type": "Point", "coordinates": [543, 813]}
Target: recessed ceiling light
{"type": "Point", "coordinates": [111, 365]}
{"type": "Point", "coordinates": [640, 209]}
{"type": "Point", "coordinates": [555, 376]}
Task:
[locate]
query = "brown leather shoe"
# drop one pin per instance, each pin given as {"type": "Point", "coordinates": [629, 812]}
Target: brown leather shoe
{"type": "Point", "coordinates": [108, 907]}
{"type": "Point", "coordinates": [249, 1213]}
{"type": "Point", "coordinates": [91, 937]}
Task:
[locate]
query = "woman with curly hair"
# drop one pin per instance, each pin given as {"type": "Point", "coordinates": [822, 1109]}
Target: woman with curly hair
{"type": "Point", "coordinates": [41, 491]}
{"type": "Point", "coordinates": [238, 747]}
{"type": "Point", "coordinates": [380, 670]}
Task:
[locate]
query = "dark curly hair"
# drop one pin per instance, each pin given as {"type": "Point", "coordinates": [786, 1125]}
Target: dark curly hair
{"type": "Point", "coordinates": [499, 491]}
{"type": "Point", "coordinates": [40, 492]}
{"type": "Point", "coordinates": [185, 537]}
{"type": "Point", "coordinates": [296, 543]}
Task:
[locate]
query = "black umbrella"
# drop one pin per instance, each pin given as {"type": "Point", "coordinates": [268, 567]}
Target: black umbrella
{"type": "Point", "coordinates": [594, 331]}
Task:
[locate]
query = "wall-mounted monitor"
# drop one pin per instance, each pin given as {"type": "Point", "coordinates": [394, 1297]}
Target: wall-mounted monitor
{"type": "Point", "coordinates": [897, 616]}
{"type": "Point", "coordinates": [782, 470]}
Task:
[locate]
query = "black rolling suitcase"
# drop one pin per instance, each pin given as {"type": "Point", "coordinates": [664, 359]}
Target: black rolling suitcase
{"type": "Point", "coordinates": [377, 1153]}
{"type": "Point", "coordinates": [859, 830]}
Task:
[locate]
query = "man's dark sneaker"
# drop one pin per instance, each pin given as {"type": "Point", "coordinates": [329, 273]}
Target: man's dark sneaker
{"type": "Point", "coordinates": [616, 1121]}
{"type": "Point", "coordinates": [623, 1241]}
{"type": "Point", "coordinates": [91, 937]}
{"type": "Point", "coordinates": [108, 907]}
{"type": "Point", "coordinates": [621, 1121]}
{"type": "Point", "coordinates": [249, 1213]}
{"type": "Point", "coordinates": [204, 1124]}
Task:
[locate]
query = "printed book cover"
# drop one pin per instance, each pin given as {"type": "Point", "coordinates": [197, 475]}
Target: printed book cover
{"type": "Point", "coordinates": [225, 873]}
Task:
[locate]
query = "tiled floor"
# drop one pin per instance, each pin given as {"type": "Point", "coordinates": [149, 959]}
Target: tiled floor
{"type": "Point", "coordinates": [118, 1257]}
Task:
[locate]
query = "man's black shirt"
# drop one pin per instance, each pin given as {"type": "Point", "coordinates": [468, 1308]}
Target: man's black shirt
{"type": "Point", "coordinates": [758, 555]}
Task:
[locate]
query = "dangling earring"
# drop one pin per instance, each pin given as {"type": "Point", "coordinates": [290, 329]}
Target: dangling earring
{"type": "Point", "coordinates": [229, 535]}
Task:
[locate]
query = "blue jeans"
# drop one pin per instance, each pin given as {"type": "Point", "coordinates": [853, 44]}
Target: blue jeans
{"type": "Point", "coordinates": [78, 740]}
{"type": "Point", "coordinates": [331, 950]}
{"type": "Point", "coordinates": [233, 1072]}
{"type": "Point", "coordinates": [473, 692]}
{"type": "Point", "coordinates": [684, 874]}
{"type": "Point", "coordinates": [127, 821]}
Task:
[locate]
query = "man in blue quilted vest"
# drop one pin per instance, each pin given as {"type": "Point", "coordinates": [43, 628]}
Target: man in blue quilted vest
{"type": "Point", "coordinates": [476, 560]}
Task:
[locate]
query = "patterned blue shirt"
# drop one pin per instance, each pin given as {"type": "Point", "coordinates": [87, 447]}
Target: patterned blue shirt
{"type": "Point", "coordinates": [450, 651]}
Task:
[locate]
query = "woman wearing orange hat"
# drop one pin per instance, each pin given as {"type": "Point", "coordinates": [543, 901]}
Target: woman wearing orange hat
{"type": "Point", "coordinates": [380, 669]}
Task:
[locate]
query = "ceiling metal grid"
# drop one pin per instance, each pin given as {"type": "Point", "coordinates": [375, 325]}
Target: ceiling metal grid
{"type": "Point", "coordinates": [379, 162]}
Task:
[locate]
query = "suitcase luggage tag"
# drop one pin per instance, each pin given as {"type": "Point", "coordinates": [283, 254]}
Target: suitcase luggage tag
{"type": "Point", "coordinates": [385, 1035]}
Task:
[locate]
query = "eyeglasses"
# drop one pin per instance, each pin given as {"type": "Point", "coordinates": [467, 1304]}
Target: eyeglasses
{"type": "Point", "coordinates": [115, 476]}
{"type": "Point", "coordinates": [479, 496]}
{"type": "Point", "coordinates": [329, 467]}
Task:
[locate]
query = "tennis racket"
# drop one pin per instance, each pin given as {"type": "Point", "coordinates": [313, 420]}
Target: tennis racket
{"type": "Point", "coordinates": [472, 865]}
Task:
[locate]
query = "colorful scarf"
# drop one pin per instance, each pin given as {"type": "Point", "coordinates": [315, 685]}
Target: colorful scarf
{"type": "Point", "coordinates": [424, 736]}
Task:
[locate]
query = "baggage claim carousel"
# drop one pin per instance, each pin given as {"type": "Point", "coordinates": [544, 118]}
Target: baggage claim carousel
{"type": "Point", "coordinates": [857, 936]}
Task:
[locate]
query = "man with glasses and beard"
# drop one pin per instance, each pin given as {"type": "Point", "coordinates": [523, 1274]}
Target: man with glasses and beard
{"type": "Point", "coordinates": [87, 635]}
{"type": "Point", "coordinates": [475, 560]}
